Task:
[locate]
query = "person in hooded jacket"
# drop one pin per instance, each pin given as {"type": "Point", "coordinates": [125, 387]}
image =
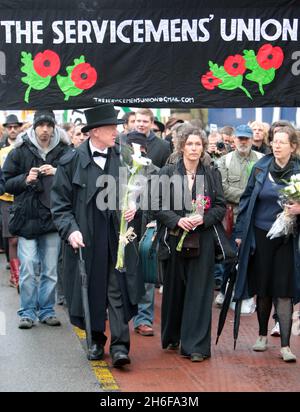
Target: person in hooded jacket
{"type": "Point", "coordinates": [29, 170]}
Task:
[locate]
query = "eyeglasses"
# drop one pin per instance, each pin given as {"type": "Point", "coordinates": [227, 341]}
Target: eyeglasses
{"type": "Point", "coordinates": [279, 143]}
{"type": "Point", "coordinates": [13, 127]}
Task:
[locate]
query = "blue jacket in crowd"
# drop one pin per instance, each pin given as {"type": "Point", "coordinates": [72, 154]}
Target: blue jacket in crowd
{"type": "Point", "coordinates": [245, 228]}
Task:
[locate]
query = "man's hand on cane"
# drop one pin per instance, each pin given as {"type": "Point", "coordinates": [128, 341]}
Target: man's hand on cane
{"type": "Point", "coordinates": [76, 240]}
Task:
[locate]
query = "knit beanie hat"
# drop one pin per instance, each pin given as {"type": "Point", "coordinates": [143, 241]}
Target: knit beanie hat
{"type": "Point", "coordinates": [43, 116]}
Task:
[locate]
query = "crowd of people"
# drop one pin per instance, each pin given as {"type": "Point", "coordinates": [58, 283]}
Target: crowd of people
{"type": "Point", "coordinates": [230, 178]}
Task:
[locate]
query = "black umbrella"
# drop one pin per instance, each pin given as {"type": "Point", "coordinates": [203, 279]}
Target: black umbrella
{"type": "Point", "coordinates": [227, 298]}
{"type": "Point", "coordinates": [237, 317]}
{"type": "Point", "coordinates": [85, 302]}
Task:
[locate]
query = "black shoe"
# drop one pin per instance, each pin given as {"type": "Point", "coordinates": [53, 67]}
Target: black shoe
{"type": "Point", "coordinates": [96, 351]}
{"type": "Point", "coordinates": [120, 359]}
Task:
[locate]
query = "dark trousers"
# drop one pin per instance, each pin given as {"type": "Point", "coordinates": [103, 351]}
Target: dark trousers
{"type": "Point", "coordinates": [119, 329]}
{"type": "Point", "coordinates": [187, 298]}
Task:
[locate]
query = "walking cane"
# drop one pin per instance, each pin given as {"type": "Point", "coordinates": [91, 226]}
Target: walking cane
{"type": "Point", "coordinates": [85, 302]}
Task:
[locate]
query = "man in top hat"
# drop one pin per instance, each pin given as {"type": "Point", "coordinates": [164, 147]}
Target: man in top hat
{"type": "Point", "coordinates": [12, 129]}
{"type": "Point", "coordinates": [29, 170]}
{"type": "Point", "coordinates": [84, 223]}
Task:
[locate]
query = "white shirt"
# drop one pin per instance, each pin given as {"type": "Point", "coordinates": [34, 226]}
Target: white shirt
{"type": "Point", "coordinates": [99, 160]}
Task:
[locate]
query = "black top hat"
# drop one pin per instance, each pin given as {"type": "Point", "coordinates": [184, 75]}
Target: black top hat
{"type": "Point", "coordinates": [12, 119]}
{"type": "Point", "coordinates": [103, 115]}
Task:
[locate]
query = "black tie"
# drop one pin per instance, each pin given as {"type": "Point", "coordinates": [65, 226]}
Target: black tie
{"type": "Point", "coordinates": [97, 154]}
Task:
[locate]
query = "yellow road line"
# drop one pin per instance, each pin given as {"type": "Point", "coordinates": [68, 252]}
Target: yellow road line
{"type": "Point", "coordinates": [100, 369]}
{"type": "Point", "coordinates": [104, 376]}
{"type": "Point", "coordinates": [80, 333]}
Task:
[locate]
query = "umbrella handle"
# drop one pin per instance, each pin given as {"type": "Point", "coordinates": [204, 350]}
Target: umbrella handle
{"type": "Point", "coordinates": [80, 253]}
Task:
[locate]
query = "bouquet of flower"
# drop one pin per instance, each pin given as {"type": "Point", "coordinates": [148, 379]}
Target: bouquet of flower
{"type": "Point", "coordinates": [199, 205]}
{"type": "Point", "coordinates": [284, 225]}
{"type": "Point", "coordinates": [133, 190]}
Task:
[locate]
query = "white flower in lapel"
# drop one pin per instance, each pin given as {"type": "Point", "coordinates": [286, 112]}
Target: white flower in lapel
{"type": "Point", "coordinates": [138, 159]}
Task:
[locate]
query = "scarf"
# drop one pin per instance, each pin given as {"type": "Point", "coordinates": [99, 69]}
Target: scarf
{"type": "Point", "coordinates": [279, 174]}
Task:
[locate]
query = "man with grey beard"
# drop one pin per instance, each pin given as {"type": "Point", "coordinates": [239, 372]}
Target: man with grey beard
{"type": "Point", "coordinates": [235, 168]}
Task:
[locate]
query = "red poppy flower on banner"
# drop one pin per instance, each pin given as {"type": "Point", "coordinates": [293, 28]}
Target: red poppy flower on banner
{"type": "Point", "coordinates": [235, 65]}
{"type": "Point", "coordinates": [209, 81]}
{"type": "Point", "coordinates": [46, 63]}
{"type": "Point", "coordinates": [269, 57]}
{"type": "Point", "coordinates": [84, 76]}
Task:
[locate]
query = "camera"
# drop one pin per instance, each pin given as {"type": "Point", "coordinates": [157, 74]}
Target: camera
{"type": "Point", "coordinates": [220, 145]}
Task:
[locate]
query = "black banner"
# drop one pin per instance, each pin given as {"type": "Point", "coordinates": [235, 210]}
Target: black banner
{"type": "Point", "coordinates": [155, 53]}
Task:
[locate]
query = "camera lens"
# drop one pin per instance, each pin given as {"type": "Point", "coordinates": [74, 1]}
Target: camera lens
{"type": "Point", "coordinates": [220, 145]}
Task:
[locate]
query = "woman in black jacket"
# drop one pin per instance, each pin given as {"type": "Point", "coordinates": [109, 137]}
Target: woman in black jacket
{"type": "Point", "coordinates": [189, 281]}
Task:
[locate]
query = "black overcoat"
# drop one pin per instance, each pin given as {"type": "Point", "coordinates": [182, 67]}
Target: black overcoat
{"type": "Point", "coordinates": [72, 198]}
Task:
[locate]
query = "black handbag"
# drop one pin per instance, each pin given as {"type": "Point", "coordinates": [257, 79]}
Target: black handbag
{"type": "Point", "coordinates": [223, 249]}
{"type": "Point", "coordinates": [191, 245]}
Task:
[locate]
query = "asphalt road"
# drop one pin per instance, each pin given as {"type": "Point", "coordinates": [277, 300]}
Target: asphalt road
{"type": "Point", "coordinates": [42, 359]}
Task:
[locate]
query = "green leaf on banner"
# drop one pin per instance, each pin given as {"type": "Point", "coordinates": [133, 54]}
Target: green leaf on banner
{"type": "Point", "coordinates": [228, 82]}
{"type": "Point", "coordinates": [262, 77]}
{"type": "Point", "coordinates": [66, 83]}
{"type": "Point", "coordinates": [32, 79]}
{"type": "Point", "coordinates": [250, 58]}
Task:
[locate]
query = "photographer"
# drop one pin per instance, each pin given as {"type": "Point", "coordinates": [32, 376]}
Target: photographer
{"type": "Point", "coordinates": [28, 171]}
{"type": "Point", "coordinates": [216, 146]}
{"type": "Point", "coordinates": [227, 133]}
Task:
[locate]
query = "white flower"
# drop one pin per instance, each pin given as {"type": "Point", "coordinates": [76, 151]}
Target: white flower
{"type": "Point", "coordinates": [297, 186]}
{"type": "Point", "coordinates": [290, 190]}
{"type": "Point", "coordinates": [137, 157]}
{"type": "Point", "coordinates": [141, 161]}
{"type": "Point", "coordinates": [295, 178]}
